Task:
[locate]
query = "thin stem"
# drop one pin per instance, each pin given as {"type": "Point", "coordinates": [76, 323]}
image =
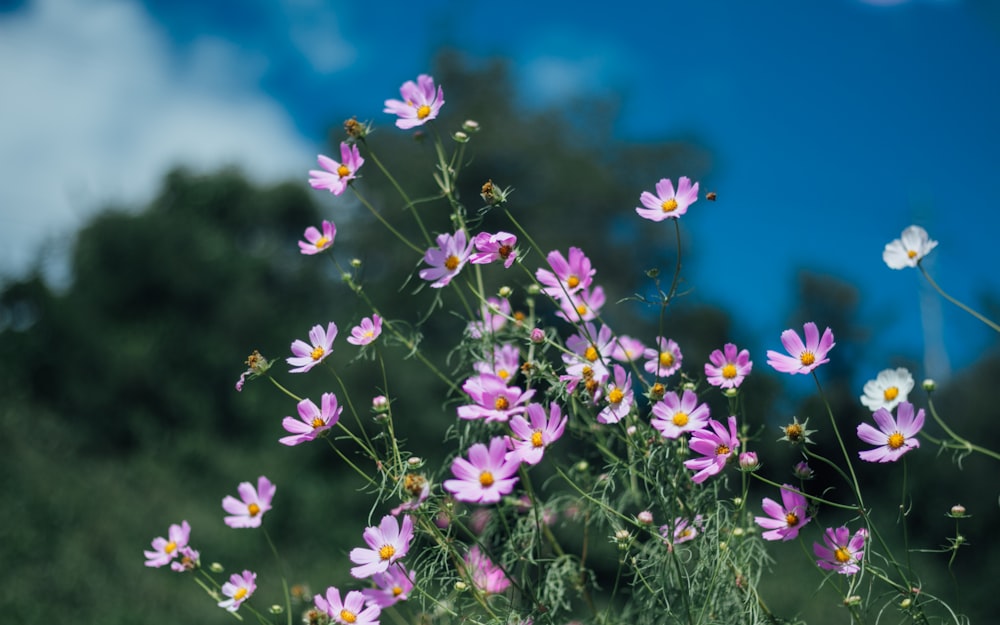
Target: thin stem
{"type": "Point", "coordinates": [284, 579]}
{"type": "Point", "coordinates": [994, 326]}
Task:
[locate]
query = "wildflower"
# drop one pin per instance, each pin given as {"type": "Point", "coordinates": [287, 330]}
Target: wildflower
{"type": "Point", "coordinates": [494, 399]}
{"type": "Point", "coordinates": [889, 387]}
{"type": "Point", "coordinates": [486, 576]}
{"type": "Point", "coordinates": [620, 397]}
{"type": "Point", "coordinates": [645, 517]}
{"type": "Point", "coordinates": [239, 588]}
{"type": "Point", "coordinates": [337, 175]}
{"type": "Point", "coordinates": [796, 433]}
{"type": "Point", "coordinates": [537, 336]}
{"type": "Point", "coordinates": [355, 129]}
{"type": "Point", "coordinates": [387, 543]}
{"type": "Point", "coordinates": [317, 241]}
{"type": "Point", "coordinates": [447, 259]}
{"type": "Point", "coordinates": [367, 331]}
{"type": "Point", "coordinates": [255, 502]}
{"type": "Point", "coordinates": [188, 561]}
{"type": "Point", "coordinates": [682, 530]}
{"type": "Point", "coordinates": [895, 437]}
{"type": "Point", "coordinates": [567, 276]}
{"type": "Point", "coordinates": [665, 360]}
{"type": "Point", "coordinates": [728, 367]}
{"type": "Point", "coordinates": [748, 461]}
{"type": "Point", "coordinates": [909, 249]}
{"type": "Point", "coordinates": [804, 357]}
{"type": "Point", "coordinates": [312, 421]}
{"type": "Point", "coordinates": [420, 103]}
{"type": "Point", "coordinates": [784, 520]}
{"type": "Point", "coordinates": [256, 365]}
{"type": "Point", "coordinates": [716, 447]}
{"type": "Point", "coordinates": [380, 403]}
{"type": "Point", "coordinates": [591, 350]}
{"type": "Point", "coordinates": [486, 476]}
{"type": "Point", "coordinates": [531, 438]}
{"type": "Point", "coordinates": [675, 415]}
{"type": "Point", "coordinates": [584, 305]}
{"type": "Point", "coordinates": [957, 511]}
{"type": "Point", "coordinates": [494, 314]}
{"type": "Point", "coordinates": [391, 586]}
{"type": "Point", "coordinates": [308, 355]}
{"type": "Point", "coordinates": [416, 487]}
{"type": "Point", "coordinates": [841, 552]}
{"type": "Point", "coordinates": [491, 247]}
{"type": "Point", "coordinates": [666, 203]}
{"type": "Point", "coordinates": [504, 364]}
{"type": "Point", "coordinates": [166, 549]}
{"type": "Point", "coordinates": [802, 470]}
{"type": "Point", "coordinates": [349, 611]}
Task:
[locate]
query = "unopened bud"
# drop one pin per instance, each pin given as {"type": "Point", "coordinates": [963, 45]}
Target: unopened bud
{"type": "Point", "coordinates": [929, 385]}
{"type": "Point", "coordinates": [537, 336]}
{"type": "Point", "coordinates": [460, 137]}
{"type": "Point", "coordinates": [505, 292]}
{"type": "Point", "coordinates": [460, 586]}
{"type": "Point", "coordinates": [749, 461]}
{"type": "Point", "coordinates": [958, 511]}
{"type": "Point", "coordinates": [355, 262]}
{"type": "Point", "coordinates": [645, 517]}
{"type": "Point", "coordinates": [470, 126]}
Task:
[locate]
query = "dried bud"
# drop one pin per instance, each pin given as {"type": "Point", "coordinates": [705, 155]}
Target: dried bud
{"type": "Point", "coordinates": [710, 196]}
{"type": "Point", "coordinates": [355, 129]}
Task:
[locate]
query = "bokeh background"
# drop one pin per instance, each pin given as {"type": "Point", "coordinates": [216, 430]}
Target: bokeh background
{"type": "Point", "coordinates": [154, 157]}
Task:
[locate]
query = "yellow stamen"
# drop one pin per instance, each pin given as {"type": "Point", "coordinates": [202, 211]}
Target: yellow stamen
{"type": "Point", "coordinates": [536, 439]}
{"type": "Point", "coordinates": [386, 551]}
{"type": "Point", "coordinates": [841, 554]}
{"type": "Point", "coordinates": [722, 450]}
{"type": "Point", "coordinates": [486, 479]}
{"type": "Point", "coordinates": [318, 422]}
{"type": "Point", "coordinates": [581, 310]}
{"type": "Point", "coordinates": [572, 282]}
{"type": "Point", "coordinates": [501, 403]}
{"type": "Point", "coordinates": [240, 593]}
{"type": "Point", "coordinates": [793, 431]}
{"type": "Point", "coordinates": [343, 171]}
{"type": "Point", "coordinates": [666, 359]}
{"type": "Point", "coordinates": [911, 253]}
{"type": "Point", "coordinates": [792, 519]}
{"type": "Point", "coordinates": [729, 371]}
{"type": "Point", "coordinates": [396, 591]}
{"type": "Point", "coordinates": [669, 205]}
{"type": "Point", "coordinates": [680, 420]}
{"type": "Point", "coordinates": [253, 509]}
{"type": "Point", "coordinates": [891, 393]}
{"type": "Point", "coordinates": [615, 396]}
{"type": "Point", "coordinates": [807, 358]}
{"type": "Point", "coordinates": [591, 354]}
{"type": "Point", "coordinates": [169, 547]}
{"type": "Point", "coordinates": [896, 440]}
{"type": "Point", "coordinates": [347, 616]}
{"type": "Point", "coordinates": [322, 242]}
{"type": "Point", "coordinates": [451, 263]}
{"type": "Point", "coordinates": [317, 353]}
{"type": "Point", "coordinates": [503, 374]}
{"type": "Point", "coordinates": [423, 111]}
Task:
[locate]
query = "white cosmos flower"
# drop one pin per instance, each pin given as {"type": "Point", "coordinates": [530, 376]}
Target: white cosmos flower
{"type": "Point", "coordinates": [907, 250]}
{"type": "Point", "coordinates": [889, 387]}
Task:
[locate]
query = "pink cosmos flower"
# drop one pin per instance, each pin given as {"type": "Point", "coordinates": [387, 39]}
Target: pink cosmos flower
{"type": "Point", "coordinates": [239, 588]}
{"type": "Point", "coordinates": [189, 560]}
{"type": "Point", "coordinates": [895, 437]}
{"type": "Point", "coordinates": [317, 241]}
{"type": "Point", "coordinates": [367, 331]}
{"type": "Point", "coordinates": [531, 439]}
{"type": "Point", "coordinates": [667, 204]}
{"type": "Point", "coordinates": [486, 576]}
{"type": "Point", "coordinates": [308, 355]}
{"type": "Point", "coordinates": [494, 399]}
{"type": "Point", "coordinates": [312, 421]}
{"type": "Point", "coordinates": [841, 552]}
{"type": "Point", "coordinates": [166, 549]}
{"type": "Point", "coordinates": [387, 543]}
{"type": "Point", "coordinates": [349, 611]}
{"type": "Point", "coordinates": [567, 276]}
{"type": "Point", "coordinates": [447, 259]}
{"type": "Point", "coordinates": [909, 249]}
{"type": "Point", "coordinates": [728, 367]}
{"type": "Point", "coordinates": [420, 103]}
{"type": "Point", "coordinates": [627, 349]}
{"type": "Point", "coordinates": [682, 531]}
{"type": "Point", "coordinates": [255, 502]}
{"type": "Point", "coordinates": [804, 356]}
{"type": "Point", "coordinates": [505, 363]}
{"type": "Point", "coordinates": [674, 415]}
{"type": "Point", "coordinates": [391, 587]}
{"type": "Point", "coordinates": [666, 360]}
{"type": "Point", "coordinates": [494, 314]}
{"type": "Point", "coordinates": [337, 175]}
{"type": "Point", "coordinates": [591, 348]}
{"type": "Point", "coordinates": [783, 521]}
{"type": "Point", "coordinates": [620, 397]}
{"type": "Point", "coordinates": [492, 247]}
{"type": "Point", "coordinates": [716, 447]}
{"type": "Point", "coordinates": [486, 476]}
{"type": "Point", "coordinates": [584, 305]}
{"type": "Point", "coordinates": [416, 488]}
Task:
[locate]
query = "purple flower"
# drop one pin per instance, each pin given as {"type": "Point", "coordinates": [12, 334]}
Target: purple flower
{"type": "Point", "coordinates": [627, 349]}
{"type": "Point", "coordinates": [367, 331]}
{"type": "Point", "coordinates": [492, 247]}
{"type": "Point", "coordinates": [337, 175]}
{"type": "Point", "coordinates": [909, 249]}
{"type": "Point", "coordinates": [387, 543]}
{"type": "Point", "coordinates": [308, 355]}
{"type": "Point", "coordinates": [716, 447]}
{"type": "Point", "coordinates": [391, 587]}
{"type": "Point", "coordinates": [530, 439]}
{"type": "Point", "coordinates": [189, 560]}
{"type": "Point", "coordinates": [239, 588]}
{"type": "Point", "coordinates": [255, 502]}
{"type": "Point", "coordinates": [505, 363]}
{"type": "Point", "coordinates": [620, 397]}
{"type": "Point", "coordinates": [728, 367]}
{"type": "Point", "coordinates": [682, 530]}
{"type": "Point", "coordinates": [166, 549]}
{"type": "Point", "coordinates": [494, 400]}
{"type": "Point", "coordinates": [486, 576]}
{"type": "Point", "coordinates": [486, 476]}
{"type": "Point", "coordinates": [312, 421]}
{"type": "Point", "coordinates": [841, 552]}
{"type": "Point", "coordinates": [317, 241]}
{"type": "Point", "coordinates": [675, 415]}
{"type": "Point", "coordinates": [447, 259]}
{"type": "Point", "coordinates": [494, 313]}
{"type": "Point", "coordinates": [804, 356]}
{"type": "Point", "coordinates": [567, 276]}
{"type": "Point", "coordinates": [895, 437]}
{"type": "Point", "coordinates": [420, 103]}
{"type": "Point", "coordinates": [667, 204]}
{"type": "Point", "coordinates": [350, 611]}
{"type": "Point", "coordinates": [583, 305]}
{"type": "Point", "coordinates": [784, 520]}
{"type": "Point", "coordinates": [749, 461]}
{"type": "Point", "coordinates": [665, 360]}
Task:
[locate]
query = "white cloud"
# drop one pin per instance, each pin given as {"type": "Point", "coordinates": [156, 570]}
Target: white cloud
{"type": "Point", "coordinates": [315, 31]}
{"type": "Point", "coordinates": [96, 108]}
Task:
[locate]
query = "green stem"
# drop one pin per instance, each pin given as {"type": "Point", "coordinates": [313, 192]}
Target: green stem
{"type": "Point", "coordinates": [994, 326]}
{"type": "Point", "coordinates": [284, 579]}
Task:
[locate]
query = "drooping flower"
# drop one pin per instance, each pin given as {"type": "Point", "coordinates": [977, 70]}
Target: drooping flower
{"type": "Point", "coordinates": [666, 203]}
{"type": "Point", "coordinates": [841, 552]}
{"type": "Point", "coordinates": [249, 509]}
{"type": "Point", "coordinates": [447, 259]}
{"type": "Point", "coordinates": [682, 530]}
{"type": "Point", "coordinates": [420, 104]}
{"type": "Point", "coordinates": [367, 331]}
{"type": "Point", "coordinates": [387, 543]}
{"type": "Point", "coordinates": [567, 276]}
{"type": "Point", "coordinates": [909, 249]}
{"type": "Point", "coordinates": [257, 365]}
{"type": "Point", "coordinates": [620, 397]}
{"type": "Point", "coordinates": [486, 476]}
{"type": "Point", "coordinates": [308, 355]}
{"type": "Point", "coordinates": [895, 437]}
{"type": "Point", "coordinates": [391, 586]}
{"type": "Point", "coordinates": [239, 588]}
{"type": "Point", "coordinates": [312, 421]}
{"type": "Point", "coordinates": [665, 360]}
{"type": "Point", "coordinates": [486, 576]}
{"type": "Point", "coordinates": [166, 549]}
{"type": "Point", "coordinates": [349, 611]}
{"type": "Point", "coordinates": [492, 247]}
{"type": "Point", "coordinates": [728, 367]}
{"type": "Point", "coordinates": [317, 241]}
{"type": "Point", "coordinates": [494, 399]}
{"type": "Point", "coordinates": [889, 387]}
{"type": "Point", "coordinates": [716, 446]}
{"type": "Point", "coordinates": [531, 439]}
{"type": "Point", "coordinates": [804, 356]}
{"type": "Point", "coordinates": [674, 415]}
{"type": "Point", "coordinates": [337, 175]}
{"type": "Point", "coordinates": [784, 520]}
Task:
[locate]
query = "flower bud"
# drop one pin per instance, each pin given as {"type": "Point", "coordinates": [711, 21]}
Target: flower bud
{"type": "Point", "coordinates": [380, 403]}
{"type": "Point", "coordinates": [355, 262]}
{"type": "Point", "coordinates": [749, 461]}
{"type": "Point", "coordinates": [414, 461]}
{"type": "Point", "coordinates": [645, 517]}
{"type": "Point", "coordinates": [657, 391]}
{"type": "Point", "coordinates": [505, 292]}
{"type": "Point", "coordinates": [470, 126]}
{"type": "Point", "coordinates": [537, 336]}
{"type": "Point", "coordinates": [460, 586]}
{"type": "Point", "coordinates": [581, 466]}
{"type": "Point", "coordinates": [534, 289]}
{"type": "Point", "coordinates": [802, 471]}
{"type": "Point", "coordinates": [730, 392]}
{"type": "Point", "coordinates": [689, 386]}
{"type": "Point", "coordinates": [929, 385]}
{"type": "Point", "coordinates": [215, 567]}
{"type": "Point", "coordinates": [276, 609]}
{"type": "Point", "coordinates": [957, 511]}
{"type": "Point", "coordinates": [460, 137]}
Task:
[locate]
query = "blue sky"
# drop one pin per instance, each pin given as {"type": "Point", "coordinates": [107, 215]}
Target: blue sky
{"type": "Point", "coordinates": [833, 124]}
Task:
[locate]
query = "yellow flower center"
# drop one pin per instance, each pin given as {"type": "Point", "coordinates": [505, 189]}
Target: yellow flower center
{"type": "Point", "coordinates": [807, 358]}
{"type": "Point", "coordinates": [684, 533]}
{"type": "Point", "coordinates": [666, 359]}
{"type": "Point", "coordinates": [729, 371]}
{"type": "Point", "coordinates": [423, 111]}
{"type": "Point", "coordinates": [486, 479]}
{"type": "Point", "coordinates": [396, 591]}
{"type": "Point", "coordinates": [911, 253]}
{"type": "Point", "coordinates": [322, 242]}
{"type": "Point", "coordinates": [347, 616]}
{"type": "Point", "coordinates": [842, 554]}
{"type": "Point", "coordinates": [591, 353]}
{"type": "Point", "coordinates": [890, 393]}
{"type": "Point", "coordinates": [722, 450]}
{"type": "Point", "coordinates": [792, 519]}
{"type": "Point", "coordinates": [793, 431]}
{"type": "Point", "coordinates": [572, 282]}
{"type": "Point", "coordinates": [581, 310]}
{"type": "Point", "coordinates": [386, 551]}
{"type": "Point", "coordinates": [318, 422]}
{"type": "Point", "coordinates": [240, 593]}
{"type": "Point", "coordinates": [615, 396]}
{"type": "Point", "coordinates": [536, 439]}
{"type": "Point", "coordinates": [451, 263]}
{"type": "Point", "coordinates": [253, 509]}
{"type": "Point", "coordinates": [503, 374]}
{"type": "Point", "coordinates": [501, 403]}
{"type": "Point", "coordinates": [896, 440]}
{"type": "Point", "coordinates": [680, 420]}
{"type": "Point", "coordinates": [169, 547]}
{"type": "Point", "coordinates": [669, 205]}
{"type": "Point", "coordinates": [317, 353]}
{"type": "Point", "coordinates": [343, 171]}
